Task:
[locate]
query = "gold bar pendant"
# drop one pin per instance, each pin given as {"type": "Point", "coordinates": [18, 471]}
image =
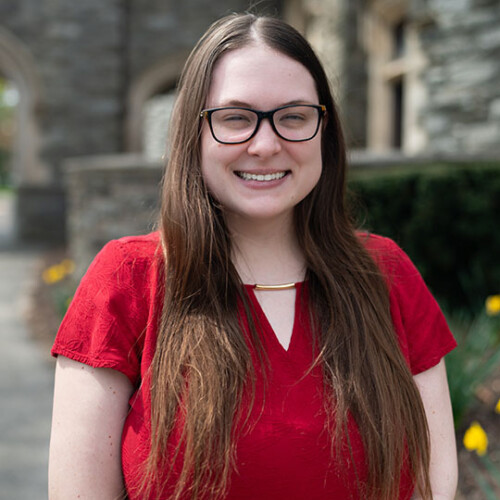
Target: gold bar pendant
{"type": "Point", "coordinates": [284, 286]}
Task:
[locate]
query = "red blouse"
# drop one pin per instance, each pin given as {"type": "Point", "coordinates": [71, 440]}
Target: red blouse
{"type": "Point", "coordinates": [112, 323]}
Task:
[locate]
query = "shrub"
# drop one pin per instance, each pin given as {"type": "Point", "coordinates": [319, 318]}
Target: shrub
{"type": "Point", "coordinates": [445, 217]}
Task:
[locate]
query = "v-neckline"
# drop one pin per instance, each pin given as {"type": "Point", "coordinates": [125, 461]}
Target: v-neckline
{"type": "Point", "coordinates": [266, 325]}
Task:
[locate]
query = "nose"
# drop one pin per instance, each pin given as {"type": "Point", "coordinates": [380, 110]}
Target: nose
{"type": "Point", "coordinates": [265, 142]}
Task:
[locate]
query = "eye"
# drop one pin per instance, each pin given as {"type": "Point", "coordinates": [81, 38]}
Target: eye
{"type": "Point", "coordinates": [233, 118]}
{"type": "Point", "coordinates": [296, 117]}
{"type": "Point", "coordinates": [293, 117]}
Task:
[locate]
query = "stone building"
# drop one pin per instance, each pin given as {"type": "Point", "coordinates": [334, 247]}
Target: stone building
{"type": "Point", "coordinates": [413, 78]}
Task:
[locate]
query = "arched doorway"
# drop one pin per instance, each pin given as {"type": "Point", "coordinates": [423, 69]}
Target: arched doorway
{"type": "Point", "coordinates": [17, 66]}
{"type": "Point", "coordinates": [28, 175]}
{"type": "Point", "coordinates": [150, 92]}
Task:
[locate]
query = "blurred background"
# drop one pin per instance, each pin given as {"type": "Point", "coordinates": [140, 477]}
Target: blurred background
{"type": "Point", "coordinates": [86, 91]}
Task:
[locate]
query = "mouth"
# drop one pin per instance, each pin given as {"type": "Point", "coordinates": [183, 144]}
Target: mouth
{"type": "Point", "coordinates": [262, 177]}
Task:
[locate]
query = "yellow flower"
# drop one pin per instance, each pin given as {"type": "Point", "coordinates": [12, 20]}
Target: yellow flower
{"type": "Point", "coordinates": [58, 272]}
{"type": "Point", "coordinates": [493, 305]}
{"type": "Point", "coordinates": [53, 274]}
{"type": "Point", "coordinates": [475, 439]}
{"type": "Point", "coordinates": [497, 407]}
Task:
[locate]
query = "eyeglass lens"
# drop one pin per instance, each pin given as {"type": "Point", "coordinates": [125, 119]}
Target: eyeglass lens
{"type": "Point", "coordinates": [295, 123]}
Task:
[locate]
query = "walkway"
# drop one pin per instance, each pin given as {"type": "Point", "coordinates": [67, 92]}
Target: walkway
{"type": "Point", "coordinates": [26, 376]}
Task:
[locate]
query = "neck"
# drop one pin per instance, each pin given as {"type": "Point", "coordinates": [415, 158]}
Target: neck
{"type": "Point", "coordinates": [266, 252]}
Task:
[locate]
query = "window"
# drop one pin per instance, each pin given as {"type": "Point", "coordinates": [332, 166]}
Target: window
{"type": "Point", "coordinates": [395, 93]}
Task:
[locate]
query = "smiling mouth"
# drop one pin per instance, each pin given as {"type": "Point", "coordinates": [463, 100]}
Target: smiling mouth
{"type": "Point", "coordinates": [261, 177]}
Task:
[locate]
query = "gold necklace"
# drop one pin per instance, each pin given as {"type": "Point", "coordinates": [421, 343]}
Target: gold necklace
{"type": "Point", "coordinates": [272, 288]}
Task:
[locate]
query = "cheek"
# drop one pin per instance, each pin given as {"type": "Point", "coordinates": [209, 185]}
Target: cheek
{"type": "Point", "coordinates": [217, 160]}
{"type": "Point", "coordinates": [311, 161]}
{"type": "Point", "coordinates": [214, 168]}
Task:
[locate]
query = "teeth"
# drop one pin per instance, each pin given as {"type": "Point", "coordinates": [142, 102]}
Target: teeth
{"type": "Point", "coordinates": [261, 177]}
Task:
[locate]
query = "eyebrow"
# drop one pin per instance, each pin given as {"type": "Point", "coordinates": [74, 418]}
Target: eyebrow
{"type": "Point", "coordinates": [243, 104]}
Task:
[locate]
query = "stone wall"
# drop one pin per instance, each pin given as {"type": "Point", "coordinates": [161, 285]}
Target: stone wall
{"type": "Point", "coordinates": [33, 224]}
{"type": "Point", "coordinates": [109, 197]}
{"type": "Point", "coordinates": [462, 43]}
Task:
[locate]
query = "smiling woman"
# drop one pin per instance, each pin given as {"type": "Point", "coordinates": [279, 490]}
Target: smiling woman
{"type": "Point", "coordinates": [257, 345]}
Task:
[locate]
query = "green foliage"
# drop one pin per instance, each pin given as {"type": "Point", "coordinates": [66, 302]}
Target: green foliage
{"type": "Point", "coordinates": [473, 361]}
{"type": "Point", "coordinates": [445, 217]}
{"type": "Point", "coordinates": [59, 282]}
{"type": "Point", "coordinates": [4, 169]}
{"type": "Point", "coordinates": [62, 295]}
{"type": "Point", "coordinates": [482, 480]}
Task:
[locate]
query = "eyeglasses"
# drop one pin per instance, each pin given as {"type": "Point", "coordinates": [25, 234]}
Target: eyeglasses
{"type": "Point", "coordinates": [294, 123]}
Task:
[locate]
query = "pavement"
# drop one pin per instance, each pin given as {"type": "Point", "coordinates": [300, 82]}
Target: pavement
{"type": "Point", "coordinates": [26, 374]}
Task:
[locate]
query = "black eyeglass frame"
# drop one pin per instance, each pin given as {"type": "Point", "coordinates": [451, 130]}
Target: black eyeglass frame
{"type": "Point", "coordinates": [262, 115]}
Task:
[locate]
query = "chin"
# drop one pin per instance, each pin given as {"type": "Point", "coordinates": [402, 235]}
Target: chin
{"type": "Point", "coordinates": [263, 215]}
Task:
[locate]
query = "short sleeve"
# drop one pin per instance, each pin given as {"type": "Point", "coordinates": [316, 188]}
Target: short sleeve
{"type": "Point", "coordinates": [422, 330]}
{"type": "Point", "coordinates": [105, 320]}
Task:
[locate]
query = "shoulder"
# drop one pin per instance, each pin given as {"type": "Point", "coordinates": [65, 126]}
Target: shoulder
{"type": "Point", "coordinates": [130, 248]}
{"type": "Point", "coordinates": [126, 270]}
{"type": "Point", "coordinates": [400, 273]}
{"type": "Point", "coordinates": [117, 298]}
{"type": "Point", "coordinates": [376, 244]}
{"type": "Point", "coordinates": [386, 253]}
{"type": "Point", "coordinates": [130, 255]}
{"type": "Point", "coordinates": [418, 321]}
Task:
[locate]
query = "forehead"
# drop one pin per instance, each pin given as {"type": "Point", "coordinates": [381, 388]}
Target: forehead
{"type": "Point", "coordinates": [260, 77]}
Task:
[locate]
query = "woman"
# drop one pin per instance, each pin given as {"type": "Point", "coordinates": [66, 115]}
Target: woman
{"type": "Point", "coordinates": [179, 377]}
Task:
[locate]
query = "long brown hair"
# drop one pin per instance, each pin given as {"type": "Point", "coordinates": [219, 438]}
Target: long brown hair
{"type": "Point", "coordinates": [202, 364]}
